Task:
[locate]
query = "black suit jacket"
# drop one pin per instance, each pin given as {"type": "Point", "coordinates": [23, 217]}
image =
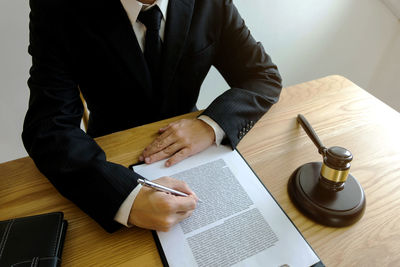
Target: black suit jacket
{"type": "Point", "coordinates": [91, 44]}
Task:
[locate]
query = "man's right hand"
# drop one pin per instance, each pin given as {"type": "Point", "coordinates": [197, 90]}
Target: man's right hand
{"type": "Point", "coordinates": [161, 211]}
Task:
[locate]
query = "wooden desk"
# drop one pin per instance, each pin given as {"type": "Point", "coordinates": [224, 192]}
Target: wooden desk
{"type": "Point", "coordinates": [341, 113]}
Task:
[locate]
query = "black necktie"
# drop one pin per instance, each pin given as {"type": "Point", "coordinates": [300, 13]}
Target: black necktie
{"type": "Point", "coordinates": [153, 47]}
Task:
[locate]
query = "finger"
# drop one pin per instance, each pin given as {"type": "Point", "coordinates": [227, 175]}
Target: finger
{"type": "Point", "coordinates": [184, 215]}
{"type": "Point", "coordinates": [184, 204]}
{"type": "Point", "coordinates": [183, 212]}
{"type": "Point", "coordinates": [172, 220]}
{"type": "Point", "coordinates": [172, 124]}
{"type": "Point", "coordinates": [163, 129]}
{"type": "Point", "coordinates": [167, 152]}
{"type": "Point", "coordinates": [170, 204]}
{"type": "Point", "coordinates": [160, 137]}
{"type": "Point", "coordinates": [179, 156]}
{"type": "Point", "coordinates": [177, 185]}
{"type": "Point", "coordinates": [184, 187]}
{"type": "Point", "coordinates": [179, 123]}
{"type": "Point", "coordinates": [160, 143]}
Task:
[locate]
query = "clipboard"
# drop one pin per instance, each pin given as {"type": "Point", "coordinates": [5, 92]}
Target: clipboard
{"type": "Point", "coordinates": [164, 258]}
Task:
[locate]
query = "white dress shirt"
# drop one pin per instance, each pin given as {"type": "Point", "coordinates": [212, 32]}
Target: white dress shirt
{"type": "Point", "coordinates": [133, 8]}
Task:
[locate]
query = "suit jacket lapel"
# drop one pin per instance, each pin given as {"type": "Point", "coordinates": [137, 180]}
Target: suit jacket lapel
{"type": "Point", "coordinates": [176, 31]}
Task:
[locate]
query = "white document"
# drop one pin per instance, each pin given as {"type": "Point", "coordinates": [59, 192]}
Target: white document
{"type": "Point", "coordinates": [237, 223]}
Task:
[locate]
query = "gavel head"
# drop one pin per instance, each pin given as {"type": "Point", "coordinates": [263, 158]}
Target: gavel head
{"type": "Point", "coordinates": [335, 168]}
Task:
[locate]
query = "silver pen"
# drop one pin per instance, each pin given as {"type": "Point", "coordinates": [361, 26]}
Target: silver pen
{"type": "Point", "coordinates": [161, 188]}
{"type": "Point", "coordinates": [158, 187]}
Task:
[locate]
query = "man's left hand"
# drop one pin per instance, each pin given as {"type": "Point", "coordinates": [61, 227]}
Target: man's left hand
{"type": "Point", "coordinates": [179, 140]}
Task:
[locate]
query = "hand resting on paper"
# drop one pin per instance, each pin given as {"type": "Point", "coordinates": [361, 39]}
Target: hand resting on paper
{"type": "Point", "coordinates": [179, 140]}
{"type": "Point", "coordinates": [161, 211]}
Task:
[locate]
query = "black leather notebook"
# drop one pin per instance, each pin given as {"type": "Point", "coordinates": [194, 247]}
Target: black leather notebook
{"type": "Point", "coordinates": [32, 241]}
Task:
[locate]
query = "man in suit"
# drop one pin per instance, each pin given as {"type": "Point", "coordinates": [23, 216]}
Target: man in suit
{"type": "Point", "coordinates": [102, 48]}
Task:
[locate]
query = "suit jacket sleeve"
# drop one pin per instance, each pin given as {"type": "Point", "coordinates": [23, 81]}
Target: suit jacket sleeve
{"type": "Point", "coordinates": [254, 80]}
{"type": "Point", "coordinates": [66, 155]}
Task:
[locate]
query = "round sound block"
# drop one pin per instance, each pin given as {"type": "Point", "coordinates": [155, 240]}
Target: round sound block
{"type": "Point", "coordinates": [337, 209]}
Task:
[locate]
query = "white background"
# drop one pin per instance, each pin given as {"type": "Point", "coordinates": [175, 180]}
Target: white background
{"type": "Point", "coordinates": [308, 39]}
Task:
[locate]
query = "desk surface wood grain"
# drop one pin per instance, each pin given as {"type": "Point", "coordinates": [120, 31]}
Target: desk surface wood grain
{"type": "Point", "coordinates": [341, 113]}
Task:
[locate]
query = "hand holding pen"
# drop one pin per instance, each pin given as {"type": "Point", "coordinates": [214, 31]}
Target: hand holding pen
{"type": "Point", "coordinates": [162, 188]}
{"type": "Point", "coordinates": [161, 211]}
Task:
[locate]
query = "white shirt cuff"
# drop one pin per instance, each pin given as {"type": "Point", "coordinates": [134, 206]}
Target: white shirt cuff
{"type": "Point", "coordinates": [219, 133]}
{"type": "Point", "coordinates": [124, 211]}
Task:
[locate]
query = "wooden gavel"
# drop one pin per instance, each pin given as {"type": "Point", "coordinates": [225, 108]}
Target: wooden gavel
{"type": "Point", "coordinates": [327, 192]}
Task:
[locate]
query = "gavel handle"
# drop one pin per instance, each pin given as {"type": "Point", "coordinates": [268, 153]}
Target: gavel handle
{"type": "Point", "coordinates": [311, 133]}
